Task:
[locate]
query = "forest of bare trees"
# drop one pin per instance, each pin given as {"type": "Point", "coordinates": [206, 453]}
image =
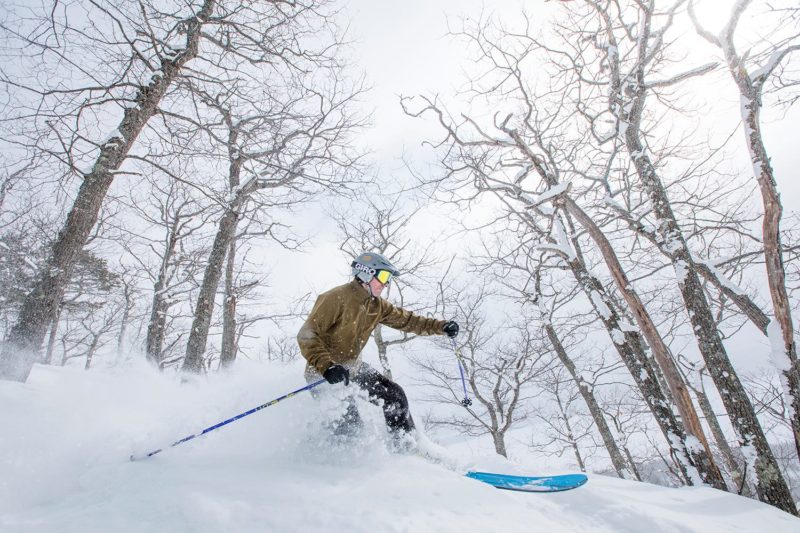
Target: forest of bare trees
{"type": "Point", "coordinates": [607, 245]}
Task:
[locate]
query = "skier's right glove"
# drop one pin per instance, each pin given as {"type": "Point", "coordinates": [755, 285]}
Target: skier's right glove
{"type": "Point", "coordinates": [337, 374]}
{"type": "Point", "coordinates": [450, 328]}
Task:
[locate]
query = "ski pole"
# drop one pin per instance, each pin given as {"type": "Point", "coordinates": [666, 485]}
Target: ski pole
{"type": "Point", "coordinates": [466, 402]}
{"type": "Point", "coordinates": [136, 457]}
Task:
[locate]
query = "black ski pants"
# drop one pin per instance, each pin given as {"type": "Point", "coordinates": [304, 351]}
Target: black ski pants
{"type": "Point", "coordinates": [381, 391]}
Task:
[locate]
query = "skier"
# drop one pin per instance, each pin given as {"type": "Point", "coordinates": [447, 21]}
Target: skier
{"type": "Point", "coordinates": [338, 328]}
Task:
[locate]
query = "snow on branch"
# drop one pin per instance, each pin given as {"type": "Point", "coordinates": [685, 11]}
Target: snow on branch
{"type": "Point", "coordinates": [698, 71]}
{"type": "Point", "coordinates": [532, 201]}
{"type": "Point", "coordinates": [762, 73]}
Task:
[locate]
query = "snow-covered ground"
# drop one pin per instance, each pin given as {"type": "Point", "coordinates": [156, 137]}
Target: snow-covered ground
{"type": "Point", "coordinates": [66, 436]}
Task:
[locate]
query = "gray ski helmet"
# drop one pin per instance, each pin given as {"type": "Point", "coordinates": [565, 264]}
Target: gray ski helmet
{"type": "Point", "coordinates": [367, 264]}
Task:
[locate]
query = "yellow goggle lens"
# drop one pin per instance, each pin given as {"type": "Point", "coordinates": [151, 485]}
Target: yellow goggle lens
{"type": "Point", "coordinates": [383, 276]}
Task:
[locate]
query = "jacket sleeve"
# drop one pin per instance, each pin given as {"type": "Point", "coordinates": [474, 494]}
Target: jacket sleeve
{"type": "Point", "coordinates": [312, 336]}
{"type": "Point", "coordinates": [398, 318]}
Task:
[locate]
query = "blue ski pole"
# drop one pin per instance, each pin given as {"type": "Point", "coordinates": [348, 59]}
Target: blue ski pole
{"type": "Point", "coordinates": [136, 457]}
{"type": "Point", "coordinates": [466, 402]}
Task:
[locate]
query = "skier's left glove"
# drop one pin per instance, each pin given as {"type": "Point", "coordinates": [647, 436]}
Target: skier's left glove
{"type": "Point", "coordinates": [450, 328]}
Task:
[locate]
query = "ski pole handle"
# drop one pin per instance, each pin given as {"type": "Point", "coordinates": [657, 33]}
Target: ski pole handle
{"type": "Point", "coordinates": [137, 457]}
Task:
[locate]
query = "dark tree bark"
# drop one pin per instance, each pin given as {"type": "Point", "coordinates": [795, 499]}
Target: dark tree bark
{"type": "Point", "coordinates": [227, 353]}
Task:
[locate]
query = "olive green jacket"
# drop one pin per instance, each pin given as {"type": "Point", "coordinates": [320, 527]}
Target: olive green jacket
{"type": "Point", "coordinates": [339, 326]}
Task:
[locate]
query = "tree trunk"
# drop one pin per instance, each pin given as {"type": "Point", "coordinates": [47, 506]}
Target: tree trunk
{"type": "Point", "coordinates": [594, 408]}
{"type": "Point", "coordinates": [204, 309]}
{"type": "Point", "coordinates": [156, 326]}
{"type": "Point", "coordinates": [499, 443]}
{"type": "Point", "coordinates": [227, 354]}
{"type": "Point", "coordinates": [26, 336]}
{"type": "Point", "coordinates": [51, 341]}
{"type": "Point", "coordinates": [719, 437]}
{"type": "Point", "coordinates": [773, 258]}
{"type": "Point", "coordinates": [126, 313]}
{"type": "Point", "coordinates": [91, 351]}
{"type": "Point", "coordinates": [632, 463]}
{"type": "Point", "coordinates": [570, 435]}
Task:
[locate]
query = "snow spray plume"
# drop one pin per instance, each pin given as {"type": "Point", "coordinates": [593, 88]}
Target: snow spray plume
{"type": "Point", "coordinates": [136, 457]}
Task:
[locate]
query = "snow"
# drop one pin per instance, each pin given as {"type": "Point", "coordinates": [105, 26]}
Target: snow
{"type": "Point", "coordinates": [611, 202]}
{"type": "Point", "coordinates": [780, 360]}
{"type": "Point", "coordinates": [618, 337]}
{"type": "Point", "coordinates": [777, 349]}
{"type": "Point", "coordinates": [563, 243]}
{"type": "Point", "coordinates": [724, 280]}
{"type": "Point", "coordinates": [533, 200]}
{"type": "Point", "coordinates": [600, 305]}
{"type": "Point", "coordinates": [67, 435]}
{"type": "Point", "coordinates": [681, 270]}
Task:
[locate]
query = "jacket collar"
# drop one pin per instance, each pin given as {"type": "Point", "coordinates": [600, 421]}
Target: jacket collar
{"type": "Point", "coordinates": [360, 294]}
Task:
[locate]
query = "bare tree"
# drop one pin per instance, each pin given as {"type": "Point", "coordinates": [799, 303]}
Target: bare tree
{"type": "Point", "coordinates": [158, 238]}
{"type": "Point", "coordinates": [498, 373]}
{"type": "Point", "coordinates": [282, 349]}
{"type": "Point", "coordinates": [564, 430]}
{"type": "Point", "coordinates": [291, 142]}
{"type": "Point", "coordinates": [159, 45]}
{"type": "Point", "coordinates": [229, 347]}
{"type": "Point", "coordinates": [586, 391]}
{"type": "Point", "coordinates": [537, 141]}
{"type": "Point", "coordinates": [630, 62]}
{"type": "Point", "coordinates": [751, 71]}
{"type": "Point", "coordinates": [484, 166]}
{"type": "Point", "coordinates": [129, 293]}
{"type": "Point", "coordinates": [98, 328]}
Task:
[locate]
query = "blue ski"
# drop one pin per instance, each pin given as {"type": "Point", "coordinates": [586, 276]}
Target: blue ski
{"type": "Point", "coordinates": [530, 483]}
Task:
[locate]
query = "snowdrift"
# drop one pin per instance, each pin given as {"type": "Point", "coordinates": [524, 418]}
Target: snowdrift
{"type": "Point", "coordinates": [67, 436]}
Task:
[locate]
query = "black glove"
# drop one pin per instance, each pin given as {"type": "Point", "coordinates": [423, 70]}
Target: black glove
{"type": "Point", "coordinates": [337, 374]}
{"type": "Point", "coordinates": [450, 328]}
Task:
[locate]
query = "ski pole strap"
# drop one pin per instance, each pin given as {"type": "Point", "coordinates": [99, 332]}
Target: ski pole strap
{"type": "Point", "coordinates": [136, 457]}
{"type": "Point", "coordinates": [466, 402]}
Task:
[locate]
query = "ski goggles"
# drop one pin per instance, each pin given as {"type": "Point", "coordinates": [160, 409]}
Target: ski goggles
{"type": "Point", "coordinates": [383, 276]}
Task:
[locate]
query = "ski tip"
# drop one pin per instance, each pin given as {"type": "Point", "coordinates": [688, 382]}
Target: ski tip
{"type": "Point", "coordinates": [555, 483]}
